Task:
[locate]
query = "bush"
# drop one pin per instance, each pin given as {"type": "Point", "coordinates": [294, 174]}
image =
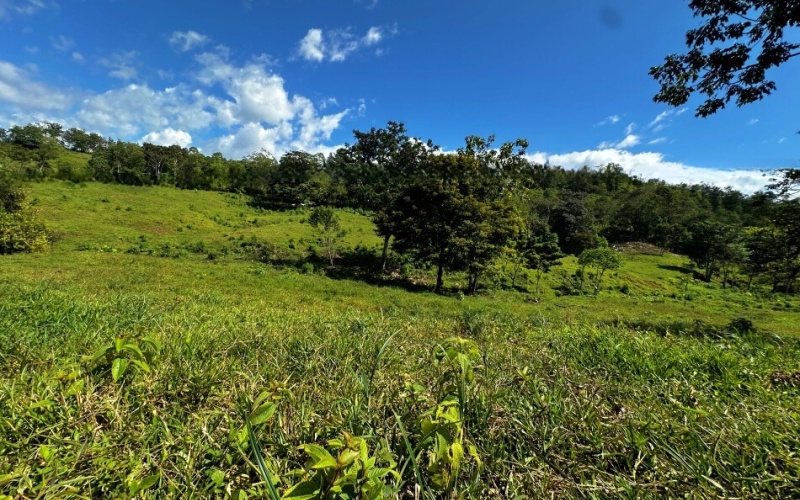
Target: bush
{"type": "Point", "coordinates": [20, 230]}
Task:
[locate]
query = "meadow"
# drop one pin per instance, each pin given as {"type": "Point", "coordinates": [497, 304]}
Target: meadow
{"type": "Point", "coordinates": [187, 344]}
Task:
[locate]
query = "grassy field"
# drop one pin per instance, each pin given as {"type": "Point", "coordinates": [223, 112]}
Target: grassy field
{"type": "Point", "coordinates": [146, 354]}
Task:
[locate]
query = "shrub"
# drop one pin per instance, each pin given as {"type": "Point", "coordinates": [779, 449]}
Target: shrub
{"type": "Point", "coordinates": [20, 229]}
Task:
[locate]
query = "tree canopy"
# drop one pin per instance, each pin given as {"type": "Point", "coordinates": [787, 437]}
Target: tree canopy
{"type": "Point", "coordinates": [729, 55]}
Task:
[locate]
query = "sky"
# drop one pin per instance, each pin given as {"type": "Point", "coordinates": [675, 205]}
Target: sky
{"type": "Point", "coordinates": [239, 76]}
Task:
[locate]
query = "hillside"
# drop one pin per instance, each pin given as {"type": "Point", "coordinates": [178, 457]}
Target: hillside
{"type": "Point", "coordinates": [139, 346]}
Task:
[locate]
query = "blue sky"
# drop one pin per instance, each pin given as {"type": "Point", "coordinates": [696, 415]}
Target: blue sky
{"type": "Point", "coordinates": [239, 76]}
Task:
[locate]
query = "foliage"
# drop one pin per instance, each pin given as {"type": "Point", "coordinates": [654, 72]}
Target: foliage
{"type": "Point", "coordinates": [730, 53]}
{"type": "Point", "coordinates": [602, 259]}
{"type": "Point", "coordinates": [541, 253]}
{"type": "Point", "coordinates": [20, 228]}
{"type": "Point", "coordinates": [325, 221]}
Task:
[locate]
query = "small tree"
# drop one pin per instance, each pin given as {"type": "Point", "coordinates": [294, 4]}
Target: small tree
{"type": "Point", "coordinates": [325, 221]}
{"type": "Point", "coordinates": [541, 253]}
{"type": "Point", "coordinates": [601, 259]}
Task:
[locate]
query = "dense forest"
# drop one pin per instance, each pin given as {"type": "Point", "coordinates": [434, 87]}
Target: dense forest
{"type": "Point", "coordinates": [460, 211]}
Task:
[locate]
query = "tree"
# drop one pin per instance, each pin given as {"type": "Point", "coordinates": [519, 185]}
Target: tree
{"type": "Point", "coordinates": [541, 253]}
{"type": "Point", "coordinates": [379, 165]}
{"type": "Point", "coordinates": [788, 184]}
{"type": "Point", "coordinates": [450, 219]}
{"type": "Point", "coordinates": [730, 53]}
{"type": "Point", "coordinates": [325, 221]}
{"type": "Point", "coordinates": [602, 259]}
{"type": "Point", "coordinates": [708, 245]}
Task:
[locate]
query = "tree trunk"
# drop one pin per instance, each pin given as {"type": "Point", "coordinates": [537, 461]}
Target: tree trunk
{"type": "Point", "coordinates": [385, 253]}
{"type": "Point", "coordinates": [440, 272]}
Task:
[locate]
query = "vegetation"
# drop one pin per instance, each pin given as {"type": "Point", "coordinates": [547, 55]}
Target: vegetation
{"type": "Point", "coordinates": [120, 384]}
{"type": "Point", "coordinates": [730, 53]}
{"type": "Point", "coordinates": [207, 332]}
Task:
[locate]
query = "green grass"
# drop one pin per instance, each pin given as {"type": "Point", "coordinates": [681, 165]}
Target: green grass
{"type": "Point", "coordinates": [608, 396]}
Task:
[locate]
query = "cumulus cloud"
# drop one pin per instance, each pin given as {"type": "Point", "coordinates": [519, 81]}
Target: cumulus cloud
{"type": "Point", "coordinates": [259, 96]}
{"type": "Point", "coordinates": [11, 8]}
{"type": "Point", "coordinates": [252, 137]}
{"type": "Point", "coordinates": [337, 45]}
{"type": "Point", "coordinates": [311, 46]}
{"type": "Point", "coordinates": [19, 89]}
{"type": "Point", "coordinates": [228, 107]}
{"type": "Point", "coordinates": [168, 137]}
{"type": "Point", "coordinates": [128, 111]}
{"type": "Point", "coordinates": [651, 165]}
{"type": "Point", "coordinates": [185, 41]}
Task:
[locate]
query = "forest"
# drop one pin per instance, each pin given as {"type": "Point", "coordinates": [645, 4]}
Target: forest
{"type": "Point", "coordinates": [461, 211]}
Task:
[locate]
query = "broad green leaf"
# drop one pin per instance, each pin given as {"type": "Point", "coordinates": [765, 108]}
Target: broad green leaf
{"type": "Point", "coordinates": [133, 348]}
{"type": "Point", "coordinates": [305, 490]}
{"type": "Point", "coordinates": [319, 456]}
{"type": "Point", "coordinates": [46, 452]}
{"type": "Point", "coordinates": [456, 454]}
{"type": "Point", "coordinates": [347, 457]}
{"type": "Point", "coordinates": [118, 368]}
{"type": "Point", "coordinates": [262, 397]}
{"type": "Point", "coordinates": [217, 476]}
{"type": "Point", "coordinates": [141, 365]}
{"type": "Point", "coordinates": [149, 481]}
{"type": "Point", "coordinates": [100, 354]}
{"type": "Point", "coordinates": [261, 414]}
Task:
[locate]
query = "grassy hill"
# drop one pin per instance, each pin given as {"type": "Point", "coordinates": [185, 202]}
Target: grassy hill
{"type": "Point", "coordinates": [642, 390]}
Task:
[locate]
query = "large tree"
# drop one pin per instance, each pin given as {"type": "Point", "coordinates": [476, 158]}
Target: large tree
{"type": "Point", "coordinates": [730, 53]}
{"type": "Point", "coordinates": [452, 219]}
{"type": "Point", "coordinates": [376, 169]}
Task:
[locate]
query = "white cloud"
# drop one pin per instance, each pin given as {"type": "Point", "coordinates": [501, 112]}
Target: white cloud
{"type": "Point", "coordinates": [651, 165]}
{"type": "Point", "coordinates": [664, 115]}
{"type": "Point", "coordinates": [630, 128]}
{"type": "Point", "coordinates": [185, 41]}
{"type": "Point", "coordinates": [248, 101]}
{"type": "Point", "coordinates": [629, 141]}
{"type": "Point", "coordinates": [311, 46]}
{"type": "Point", "coordinates": [374, 35]}
{"type": "Point", "coordinates": [610, 120]}
{"type": "Point", "coordinates": [250, 138]}
{"type": "Point", "coordinates": [77, 57]}
{"type": "Point", "coordinates": [259, 96]}
{"type": "Point", "coordinates": [20, 90]}
{"type": "Point", "coordinates": [781, 140]}
{"type": "Point", "coordinates": [131, 110]}
{"type": "Point", "coordinates": [658, 140]}
{"type": "Point", "coordinates": [337, 45]}
{"type": "Point", "coordinates": [62, 43]}
{"type": "Point", "coordinates": [10, 8]}
{"type": "Point", "coordinates": [168, 137]}
{"type": "Point", "coordinates": [121, 64]}
{"type": "Point", "coordinates": [753, 121]}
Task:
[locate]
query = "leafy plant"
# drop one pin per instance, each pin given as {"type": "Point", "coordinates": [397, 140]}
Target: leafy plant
{"type": "Point", "coordinates": [122, 354]}
{"type": "Point", "coordinates": [352, 473]}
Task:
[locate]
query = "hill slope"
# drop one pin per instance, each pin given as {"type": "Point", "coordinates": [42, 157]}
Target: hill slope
{"type": "Point", "coordinates": [132, 373]}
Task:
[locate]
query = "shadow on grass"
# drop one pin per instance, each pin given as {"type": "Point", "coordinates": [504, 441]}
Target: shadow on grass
{"type": "Point", "coordinates": [677, 269]}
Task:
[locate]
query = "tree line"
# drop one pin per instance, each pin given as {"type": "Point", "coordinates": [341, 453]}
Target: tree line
{"type": "Point", "coordinates": [462, 211]}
